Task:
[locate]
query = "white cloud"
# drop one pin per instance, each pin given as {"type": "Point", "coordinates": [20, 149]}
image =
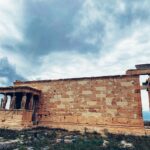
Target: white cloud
{"type": "Point", "coordinates": [18, 61]}
{"type": "Point", "coordinates": [11, 18]}
{"type": "Point", "coordinates": [3, 81]}
{"type": "Point", "coordinates": [11, 33]}
{"type": "Point", "coordinates": [129, 50]}
{"type": "Point", "coordinates": [124, 54]}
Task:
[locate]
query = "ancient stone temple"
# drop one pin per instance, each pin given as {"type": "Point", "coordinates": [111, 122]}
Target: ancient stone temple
{"type": "Point", "coordinates": [22, 108]}
{"type": "Point", "coordinates": [110, 103]}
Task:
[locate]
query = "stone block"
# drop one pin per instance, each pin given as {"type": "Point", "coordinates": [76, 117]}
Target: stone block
{"type": "Point", "coordinates": [136, 122]}
{"type": "Point", "coordinates": [112, 112]}
{"type": "Point", "coordinates": [126, 84]}
{"type": "Point", "coordinates": [101, 88]}
{"type": "Point", "coordinates": [122, 103]}
{"type": "Point", "coordinates": [61, 106]}
{"type": "Point", "coordinates": [82, 119]}
{"type": "Point", "coordinates": [45, 88]}
{"type": "Point", "coordinates": [92, 103]}
{"type": "Point", "coordinates": [87, 92]}
{"type": "Point", "coordinates": [83, 82]}
{"type": "Point", "coordinates": [100, 95]}
{"type": "Point", "coordinates": [69, 92]}
{"type": "Point", "coordinates": [92, 120]}
{"type": "Point", "coordinates": [71, 119]}
{"type": "Point", "coordinates": [108, 101]}
{"type": "Point", "coordinates": [120, 120]}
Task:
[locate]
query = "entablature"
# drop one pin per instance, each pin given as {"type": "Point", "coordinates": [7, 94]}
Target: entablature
{"type": "Point", "coordinates": [19, 89]}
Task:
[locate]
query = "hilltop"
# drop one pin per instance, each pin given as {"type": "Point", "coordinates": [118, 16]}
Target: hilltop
{"type": "Point", "coordinates": [59, 139]}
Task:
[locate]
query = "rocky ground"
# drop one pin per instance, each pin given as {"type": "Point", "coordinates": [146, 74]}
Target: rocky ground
{"type": "Point", "coordinates": [58, 139]}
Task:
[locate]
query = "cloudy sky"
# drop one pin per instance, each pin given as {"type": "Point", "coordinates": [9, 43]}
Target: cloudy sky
{"type": "Point", "coordinates": [47, 39]}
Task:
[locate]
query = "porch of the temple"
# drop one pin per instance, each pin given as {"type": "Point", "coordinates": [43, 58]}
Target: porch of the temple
{"type": "Point", "coordinates": [18, 107]}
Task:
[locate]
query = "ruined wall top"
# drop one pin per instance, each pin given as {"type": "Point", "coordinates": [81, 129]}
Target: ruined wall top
{"type": "Point", "coordinates": [141, 69]}
{"type": "Point", "coordinates": [142, 66]}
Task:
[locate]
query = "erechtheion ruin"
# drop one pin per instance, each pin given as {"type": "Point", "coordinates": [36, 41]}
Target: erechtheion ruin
{"type": "Point", "coordinates": [92, 103]}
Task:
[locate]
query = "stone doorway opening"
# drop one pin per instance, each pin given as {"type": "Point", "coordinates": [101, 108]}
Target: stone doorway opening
{"type": "Point", "coordinates": [145, 99]}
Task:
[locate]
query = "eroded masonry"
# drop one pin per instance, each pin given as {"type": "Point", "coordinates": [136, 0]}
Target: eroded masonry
{"type": "Point", "coordinates": [91, 103]}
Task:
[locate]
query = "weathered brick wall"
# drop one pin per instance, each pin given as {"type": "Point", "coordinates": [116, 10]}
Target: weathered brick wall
{"type": "Point", "coordinates": [111, 102]}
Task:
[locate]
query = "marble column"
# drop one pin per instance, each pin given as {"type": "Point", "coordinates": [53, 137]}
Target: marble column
{"type": "Point", "coordinates": [23, 102]}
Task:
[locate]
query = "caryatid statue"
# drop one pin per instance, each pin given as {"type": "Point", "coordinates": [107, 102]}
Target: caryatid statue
{"type": "Point", "coordinates": [4, 101]}
{"type": "Point", "coordinates": [148, 89]}
{"type": "Point", "coordinates": [23, 102]}
{"type": "Point", "coordinates": [1, 104]}
{"type": "Point", "coordinates": [31, 103]}
{"type": "Point", "coordinates": [12, 103]}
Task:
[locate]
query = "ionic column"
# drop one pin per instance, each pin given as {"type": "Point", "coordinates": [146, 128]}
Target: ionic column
{"type": "Point", "coordinates": [31, 102]}
{"type": "Point", "coordinates": [12, 102]}
{"type": "Point", "coordinates": [23, 102]}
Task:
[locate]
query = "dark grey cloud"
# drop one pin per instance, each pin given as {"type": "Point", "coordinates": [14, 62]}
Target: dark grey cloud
{"type": "Point", "coordinates": [49, 24]}
{"type": "Point", "coordinates": [134, 11]}
{"type": "Point", "coordinates": [8, 72]}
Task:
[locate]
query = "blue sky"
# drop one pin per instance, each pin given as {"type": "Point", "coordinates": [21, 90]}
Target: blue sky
{"type": "Point", "coordinates": [47, 39]}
